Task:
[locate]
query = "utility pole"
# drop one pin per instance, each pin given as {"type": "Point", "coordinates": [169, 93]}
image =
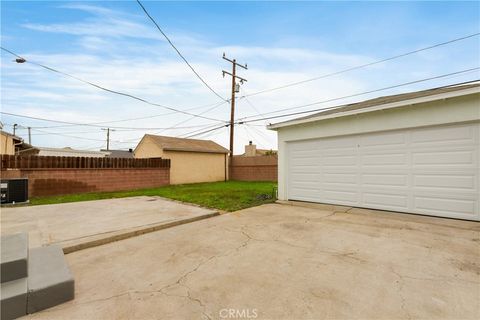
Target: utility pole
{"type": "Point", "coordinates": [235, 88]}
{"type": "Point", "coordinates": [29, 136]}
{"type": "Point", "coordinates": [108, 137]}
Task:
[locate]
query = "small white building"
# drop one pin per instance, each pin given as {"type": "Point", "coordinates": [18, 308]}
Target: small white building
{"type": "Point", "coordinates": [69, 152]}
{"type": "Point", "coordinates": [417, 152]}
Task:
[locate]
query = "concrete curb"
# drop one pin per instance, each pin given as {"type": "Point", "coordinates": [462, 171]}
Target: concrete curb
{"type": "Point", "coordinates": [133, 233]}
{"type": "Point", "coordinates": [191, 204]}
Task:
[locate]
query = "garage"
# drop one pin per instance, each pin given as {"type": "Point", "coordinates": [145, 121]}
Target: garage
{"type": "Point", "coordinates": [415, 153]}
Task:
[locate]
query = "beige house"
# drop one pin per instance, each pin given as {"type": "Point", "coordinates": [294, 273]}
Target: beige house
{"type": "Point", "coordinates": [192, 160]}
{"type": "Point", "coordinates": [9, 143]}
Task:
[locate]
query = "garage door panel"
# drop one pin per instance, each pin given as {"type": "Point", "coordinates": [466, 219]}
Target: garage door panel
{"type": "Point", "coordinates": [339, 161]}
{"type": "Point", "coordinates": [383, 140]}
{"type": "Point", "coordinates": [445, 206]}
{"type": "Point", "coordinates": [339, 153]}
{"type": "Point", "coordinates": [346, 197]}
{"type": "Point", "coordinates": [445, 158]}
{"type": "Point", "coordinates": [306, 162]}
{"type": "Point", "coordinates": [306, 194]}
{"type": "Point", "coordinates": [432, 171]}
{"type": "Point", "coordinates": [446, 181]}
{"type": "Point", "coordinates": [299, 178]}
{"type": "Point", "coordinates": [338, 143]}
{"type": "Point", "coordinates": [305, 146]}
{"type": "Point", "coordinates": [463, 134]}
{"type": "Point", "coordinates": [385, 200]}
{"type": "Point", "coordinates": [306, 154]}
{"type": "Point", "coordinates": [382, 180]}
{"type": "Point", "coordinates": [340, 177]}
{"type": "Point", "coordinates": [387, 159]}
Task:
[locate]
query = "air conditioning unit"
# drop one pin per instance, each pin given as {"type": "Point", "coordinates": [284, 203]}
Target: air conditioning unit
{"type": "Point", "coordinates": [14, 190]}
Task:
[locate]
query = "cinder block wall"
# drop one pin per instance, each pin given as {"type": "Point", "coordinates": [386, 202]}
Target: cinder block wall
{"type": "Point", "coordinates": [56, 181]}
{"type": "Point", "coordinates": [261, 168]}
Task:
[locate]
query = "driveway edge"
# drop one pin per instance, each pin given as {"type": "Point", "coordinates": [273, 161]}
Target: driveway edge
{"type": "Point", "coordinates": [121, 235]}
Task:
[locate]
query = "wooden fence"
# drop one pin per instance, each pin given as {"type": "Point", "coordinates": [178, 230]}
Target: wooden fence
{"type": "Point", "coordinates": [261, 168]}
{"type": "Point", "coordinates": [41, 162]}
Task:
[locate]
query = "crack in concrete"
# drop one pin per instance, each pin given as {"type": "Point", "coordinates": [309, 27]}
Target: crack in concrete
{"type": "Point", "coordinates": [335, 253]}
{"type": "Point", "coordinates": [250, 238]}
{"type": "Point", "coordinates": [441, 279]}
{"type": "Point", "coordinates": [400, 292]}
{"type": "Point", "coordinates": [179, 282]}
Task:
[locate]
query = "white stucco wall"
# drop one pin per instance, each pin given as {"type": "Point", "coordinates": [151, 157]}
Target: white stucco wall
{"type": "Point", "coordinates": [452, 110]}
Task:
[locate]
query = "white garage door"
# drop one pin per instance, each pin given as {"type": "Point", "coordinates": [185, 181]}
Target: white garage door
{"type": "Point", "coordinates": [432, 171]}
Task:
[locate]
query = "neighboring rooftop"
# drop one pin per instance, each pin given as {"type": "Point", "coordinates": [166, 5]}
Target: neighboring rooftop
{"type": "Point", "coordinates": [397, 98]}
{"type": "Point", "coordinates": [183, 144]}
{"type": "Point", "coordinates": [68, 152]}
{"type": "Point", "coordinates": [118, 153]}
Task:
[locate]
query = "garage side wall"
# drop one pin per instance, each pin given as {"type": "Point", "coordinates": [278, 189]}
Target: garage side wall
{"type": "Point", "coordinates": [446, 111]}
{"type": "Point", "coordinates": [194, 167]}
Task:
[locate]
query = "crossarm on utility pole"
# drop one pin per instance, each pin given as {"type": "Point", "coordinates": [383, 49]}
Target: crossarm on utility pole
{"type": "Point", "coordinates": [232, 101]}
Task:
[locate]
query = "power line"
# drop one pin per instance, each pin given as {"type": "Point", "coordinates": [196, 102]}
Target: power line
{"type": "Point", "coordinates": [361, 66]}
{"type": "Point", "coordinates": [86, 124]}
{"type": "Point", "coordinates": [68, 136]}
{"type": "Point", "coordinates": [213, 129]}
{"type": "Point", "coordinates": [108, 90]}
{"type": "Point", "coordinates": [71, 132]}
{"type": "Point", "coordinates": [178, 52]}
{"type": "Point", "coordinates": [259, 132]}
{"type": "Point", "coordinates": [99, 124]}
{"type": "Point", "coordinates": [350, 96]}
{"type": "Point", "coordinates": [211, 134]}
{"type": "Point", "coordinates": [253, 106]}
{"type": "Point", "coordinates": [196, 131]}
{"type": "Point", "coordinates": [184, 121]}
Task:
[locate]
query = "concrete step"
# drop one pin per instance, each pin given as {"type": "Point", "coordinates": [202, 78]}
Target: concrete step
{"type": "Point", "coordinates": [14, 257]}
{"type": "Point", "coordinates": [49, 279]}
{"type": "Point", "coordinates": [14, 299]}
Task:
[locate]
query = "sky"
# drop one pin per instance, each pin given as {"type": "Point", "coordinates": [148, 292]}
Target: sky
{"type": "Point", "coordinates": [114, 44]}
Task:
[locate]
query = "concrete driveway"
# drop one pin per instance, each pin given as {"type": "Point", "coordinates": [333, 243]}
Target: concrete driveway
{"type": "Point", "coordinates": [78, 225]}
{"type": "Point", "coordinates": [284, 262]}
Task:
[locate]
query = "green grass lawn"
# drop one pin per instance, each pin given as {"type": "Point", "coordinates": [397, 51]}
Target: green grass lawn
{"type": "Point", "coordinates": [228, 196]}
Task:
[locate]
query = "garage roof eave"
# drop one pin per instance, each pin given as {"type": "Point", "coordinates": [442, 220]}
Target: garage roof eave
{"type": "Point", "coordinates": [320, 116]}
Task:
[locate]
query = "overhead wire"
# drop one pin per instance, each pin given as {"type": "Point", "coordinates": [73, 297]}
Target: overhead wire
{"type": "Point", "coordinates": [102, 123]}
{"type": "Point", "coordinates": [243, 120]}
{"type": "Point", "coordinates": [108, 90]}
{"type": "Point", "coordinates": [69, 136]}
{"type": "Point", "coordinates": [176, 126]}
{"type": "Point", "coordinates": [86, 124]}
{"type": "Point", "coordinates": [178, 52]}
{"type": "Point", "coordinates": [260, 134]}
{"type": "Point", "coordinates": [362, 65]}
{"type": "Point", "coordinates": [213, 129]}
